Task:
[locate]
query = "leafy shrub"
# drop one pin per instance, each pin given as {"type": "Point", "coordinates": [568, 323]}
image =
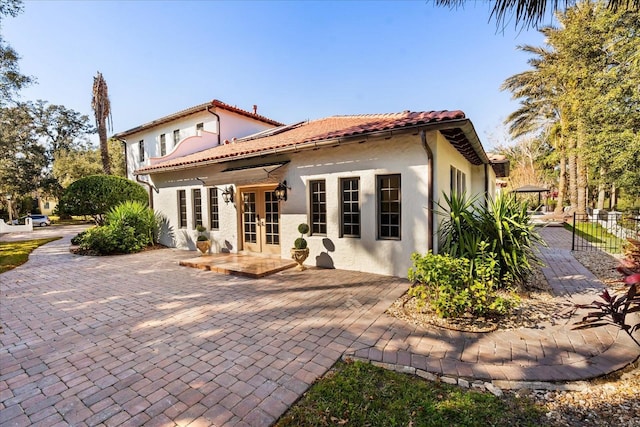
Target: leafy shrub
{"type": "Point", "coordinates": [107, 240]}
{"type": "Point", "coordinates": [300, 242]}
{"type": "Point", "coordinates": [631, 262]}
{"type": "Point", "coordinates": [201, 229]}
{"type": "Point", "coordinates": [504, 225]}
{"type": "Point", "coordinates": [129, 227]}
{"type": "Point", "coordinates": [138, 216]}
{"type": "Point", "coordinates": [614, 309]}
{"type": "Point", "coordinates": [507, 226]}
{"type": "Point", "coordinates": [453, 289]}
{"type": "Point", "coordinates": [77, 239]}
{"type": "Point", "coordinates": [303, 228]}
{"type": "Point", "coordinates": [95, 195]}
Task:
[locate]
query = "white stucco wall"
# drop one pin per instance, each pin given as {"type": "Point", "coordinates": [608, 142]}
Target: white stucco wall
{"type": "Point", "coordinates": [225, 239]}
{"type": "Point", "coordinates": [232, 126]}
{"type": "Point", "coordinates": [151, 138]}
{"type": "Point", "coordinates": [402, 155]}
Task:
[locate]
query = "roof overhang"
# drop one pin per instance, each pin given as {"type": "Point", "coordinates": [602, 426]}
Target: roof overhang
{"type": "Point", "coordinates": [500, 165]}
{"type": "Point", "coordinates": [459, 132]}
{"type": "Point", "coordinates": [207, 106]}
{"type": "Point", "coordinates": [530, 189]}
{"type": "Point", "coordinates": [247, 172]}
{"type": "Point", "coordinates": [253, 165]}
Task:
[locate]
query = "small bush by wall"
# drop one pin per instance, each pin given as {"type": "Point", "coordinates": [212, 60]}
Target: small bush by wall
{"type": "Point", "coordinates": [453, 289]}
{"type": "Point", "coordinates": [129, 227]}
{"type": "Point", "coordinates": [503, 224]}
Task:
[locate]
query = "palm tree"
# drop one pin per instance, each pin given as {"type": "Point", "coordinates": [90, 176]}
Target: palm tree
{"type": "Point", "coordinates": [102, 110]}
{"type": "Point", "coordinates": [532, 12]}
{"type": "Point", "coordinates": [541, 106]}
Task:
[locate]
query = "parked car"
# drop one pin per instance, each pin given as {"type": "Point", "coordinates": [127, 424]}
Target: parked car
{"type": "Point", "coordinates": [36, 220]}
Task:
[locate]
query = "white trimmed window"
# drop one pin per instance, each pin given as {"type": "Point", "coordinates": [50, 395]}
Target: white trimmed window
{"type": "Point", "coordinates": [163, 144]}
{"type": "Point", "coordinates": [197, 207]}
{"type": "Point", "coordinates": [214, 215]}
{"type": "Point", "coordinates": [350, 207]}
{"type": "Point", "coordinates": [318, 197]}
{"type": "Point", "coordinates": [458, 180]}
{"type": "Point", "coordinates": [182, 209]}
{"type": "Point", "coordinates": [389, 207]}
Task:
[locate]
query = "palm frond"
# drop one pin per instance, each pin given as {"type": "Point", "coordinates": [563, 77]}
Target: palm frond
{"type": "Point", "coordinates": [532, 12]}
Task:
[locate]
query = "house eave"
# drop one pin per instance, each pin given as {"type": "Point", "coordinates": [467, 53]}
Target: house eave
{"type": "Point", "coordinates": [464, 125]}
{"type": "Point", "coordinates": [193, 110]}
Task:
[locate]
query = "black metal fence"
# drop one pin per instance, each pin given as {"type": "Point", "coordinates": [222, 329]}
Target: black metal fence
{"type": "Point", "coordinates": [603, 230]}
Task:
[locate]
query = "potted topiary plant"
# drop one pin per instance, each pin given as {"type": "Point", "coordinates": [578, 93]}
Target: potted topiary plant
{"type": "Point", "coordinates": [300, 251]}
{"type": "Point", "coordinates": [202, 241]}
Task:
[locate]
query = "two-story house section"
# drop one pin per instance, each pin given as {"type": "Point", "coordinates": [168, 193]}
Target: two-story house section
{"type": "Point", "coordinates": [188, 131]}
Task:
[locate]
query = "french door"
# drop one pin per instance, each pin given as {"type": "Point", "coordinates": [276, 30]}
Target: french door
{"type": "Point", "coordinates": [260, 221]}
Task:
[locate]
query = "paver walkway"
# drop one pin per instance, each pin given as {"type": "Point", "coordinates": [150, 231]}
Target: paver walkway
{"type": "Point", "coordinates": [551, 352]}
{"type": "Point", "coordinates": [139, 340]}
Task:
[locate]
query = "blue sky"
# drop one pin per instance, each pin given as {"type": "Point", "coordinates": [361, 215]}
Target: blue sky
{"type": "Point", "coordinates": [295, 60]}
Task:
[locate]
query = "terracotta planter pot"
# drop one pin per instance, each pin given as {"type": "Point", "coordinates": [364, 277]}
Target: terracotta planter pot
{"type": "Point", "coordinates": [203, 246]}
{"type": "Point", "coordinates": [299, 256]}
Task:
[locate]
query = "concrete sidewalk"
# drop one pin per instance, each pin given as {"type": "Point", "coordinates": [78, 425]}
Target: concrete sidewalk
{"type": "Point", "coordinates": [139, 340]}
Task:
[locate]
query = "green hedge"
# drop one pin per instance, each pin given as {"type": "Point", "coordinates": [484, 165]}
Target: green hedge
{"type": "Point", "coordinates": [95, 195]}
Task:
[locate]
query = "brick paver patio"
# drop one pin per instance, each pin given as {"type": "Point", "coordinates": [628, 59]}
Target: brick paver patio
{"type": "Point", "coordinates": [139, 340]}
{"type": "Point", "coordinates": [132, 340]}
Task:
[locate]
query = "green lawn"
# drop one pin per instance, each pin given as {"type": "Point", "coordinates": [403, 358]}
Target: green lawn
{"type": "Point", "coordinates": [75, 220]}
{"type": "Point", "coordinates": [13, 254]}
{"type": "Point", "coordinates": [598, 236]}
{"type": "Point", "coordinates": [360, 394]}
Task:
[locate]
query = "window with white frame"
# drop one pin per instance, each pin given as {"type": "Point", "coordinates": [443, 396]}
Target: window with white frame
{"type": "Point", "coordinates": [318, 197]}
{"type": "Point", "coordinates": [141, 150]}
{"type": "Point", "coordinates": [176, 137]}
{"type": "Point", "coordinates": [197, 207]}
{"type": "Point", "coordinates": [458, 180]}
{"type": "Point", "coordinates": [163, 144]}
{"type": "Point", "coordinates": [350, 207]}
{"type": "Point", "coordinates": [199, 127]}
{"type": "Point", "coordinates": [182, 209]}
{"type": "Point", "coordinates": [389, 207]}
{"type": "Point", "coordinates": [214, 208]}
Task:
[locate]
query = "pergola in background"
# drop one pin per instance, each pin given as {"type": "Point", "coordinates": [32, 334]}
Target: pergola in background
{"type": "Point", "coordinates": [532, 189]}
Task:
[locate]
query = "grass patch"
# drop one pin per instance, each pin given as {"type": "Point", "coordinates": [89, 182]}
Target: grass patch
{"type": "Point", "coordinates": [13, 254]}
{"type": "Point", "coordinates": [360, 394]}
{"type": "Point", "coordinates": [597, 235]}
{"type": "Point", "coordinates": [75, 220]}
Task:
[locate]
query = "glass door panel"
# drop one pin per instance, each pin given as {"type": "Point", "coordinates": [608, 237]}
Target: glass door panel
{"type": "Point", "coordinates": [261, 221]}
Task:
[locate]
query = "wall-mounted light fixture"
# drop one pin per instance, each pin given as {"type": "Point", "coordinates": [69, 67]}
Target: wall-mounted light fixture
{"type": "Point", "coordinates": [227, 194]}
{"type": "Point", "coordinates": [281, 191]}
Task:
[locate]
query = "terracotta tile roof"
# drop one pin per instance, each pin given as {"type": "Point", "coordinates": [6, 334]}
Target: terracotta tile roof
{"type": "Point", "coordinates": [196, 109]}
{"type": "Point", "coordinates": [307, 133]}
